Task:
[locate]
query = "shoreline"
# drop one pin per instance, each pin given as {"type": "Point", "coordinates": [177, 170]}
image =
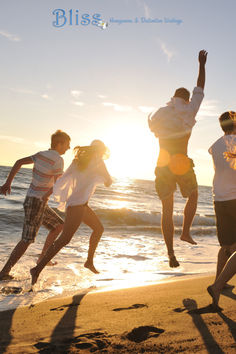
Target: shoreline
{"type": "Point", "coordinates": [170, 279]}
{"type": "Point", "coordinates": [100, 289]}
{"type": "Point", "coordinates": [170, 316]}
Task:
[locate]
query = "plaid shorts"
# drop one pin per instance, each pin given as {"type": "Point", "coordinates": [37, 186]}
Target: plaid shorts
{"type": "Point", "coordinates": [37, 213]}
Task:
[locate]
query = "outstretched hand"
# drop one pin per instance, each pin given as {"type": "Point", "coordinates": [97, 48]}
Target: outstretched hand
{"type": "Point", "coordinates": [202, 57]}
{"type": "Point", "coordinates": [5, 189]}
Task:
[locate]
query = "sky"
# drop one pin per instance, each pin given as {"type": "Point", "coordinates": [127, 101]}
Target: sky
{"type": "Point", "coordinates": [62, 72]}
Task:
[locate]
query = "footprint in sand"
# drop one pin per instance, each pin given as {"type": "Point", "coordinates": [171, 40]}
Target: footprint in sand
{"type": "Point", "coordinates": [142, 333]}
{"type": "Point", "coordinates": [45, 346]}
{"type": "Point", "coordinates": [135, 306]}
{"type": "Point", "coordinates": [7, 290]}
{"type": "Point", "coordinates": [96, 341]}
{"type": "Point", "coordinates": [63, 307]}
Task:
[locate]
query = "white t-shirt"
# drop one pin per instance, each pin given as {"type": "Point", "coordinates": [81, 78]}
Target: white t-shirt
{"type": "Point", "coordinates": [177, 118]}
{"type": "Point", "coordinates": [76, 187]}
{"type": "Point", "coordinates": [224, 182]}
{"type": "Point", "coordinates": [47, 165]}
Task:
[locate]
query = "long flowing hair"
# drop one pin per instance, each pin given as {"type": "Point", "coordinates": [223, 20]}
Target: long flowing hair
{"type": "Point", "coordinates": [85, 154]}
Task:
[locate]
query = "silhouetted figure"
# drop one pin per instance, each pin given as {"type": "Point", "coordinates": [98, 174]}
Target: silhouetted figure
{"type": "Point", "coordinates": [173, 124]}
{"type": "Point", "coordinates": [224, 188]}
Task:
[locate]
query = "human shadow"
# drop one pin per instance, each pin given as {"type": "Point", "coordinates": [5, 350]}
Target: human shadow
{"type": "Point", "coordinates": [230, 323]}
{"type": "Point", "coordinates": [228, 293]}
{"type": "Point", "coordinates": [66, 325]}
{"type": "Point", "coordinates": [211, 345]}
{"type": "Point", "coordinates": [7, 316]}
{"type": "Point", "coordinates": [5, 331]}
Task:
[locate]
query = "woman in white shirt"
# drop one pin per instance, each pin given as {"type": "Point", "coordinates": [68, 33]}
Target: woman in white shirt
{"type": "Point", "coordinates": [73, 191]}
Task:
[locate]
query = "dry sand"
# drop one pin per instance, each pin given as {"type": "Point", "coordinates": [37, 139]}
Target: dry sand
{"type": "Point", "coordinates": [169, 317]}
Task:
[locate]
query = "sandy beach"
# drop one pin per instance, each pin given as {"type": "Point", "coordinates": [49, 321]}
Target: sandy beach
{"type": "Point", "coordinates": [168, 317]}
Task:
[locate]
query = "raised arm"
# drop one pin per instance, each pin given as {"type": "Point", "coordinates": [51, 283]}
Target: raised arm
{"type": "Point", "coordinates": [202, 57]}
{"type": "Point", "coordinates": [6, 188]}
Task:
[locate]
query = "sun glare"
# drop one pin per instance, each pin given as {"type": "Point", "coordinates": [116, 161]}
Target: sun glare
{"type": "Point", "coordinates": [131, 150]}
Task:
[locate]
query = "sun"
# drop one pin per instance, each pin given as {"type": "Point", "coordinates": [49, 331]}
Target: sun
{"type": "Point", "coordinates": [131, 151]}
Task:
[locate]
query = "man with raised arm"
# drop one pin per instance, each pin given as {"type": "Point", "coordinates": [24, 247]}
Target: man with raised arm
{"type": "Point", "coordinates": [173, 124]}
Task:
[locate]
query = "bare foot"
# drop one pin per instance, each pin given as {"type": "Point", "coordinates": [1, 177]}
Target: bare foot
{"type": "Point", "coordinates": [173, 263]}
{"type": "Point", "coordinates": [214, 294]}
{"type": "Point", "coordinates": [4, 276]}
{"type": "Point", "coordinates": [91, 267]}
{"type": "Point", "coordinates": [34, 276]}
{"type": "Point", "coordinates": [188, 238]}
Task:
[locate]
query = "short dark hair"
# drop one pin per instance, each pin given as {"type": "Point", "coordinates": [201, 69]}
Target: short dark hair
{"type": "Point", "coordinates": [182, 93]}
{"type": "Point", "coordinates": [227, 121]}
{"type": "Point", "coordinates": [59, 137]}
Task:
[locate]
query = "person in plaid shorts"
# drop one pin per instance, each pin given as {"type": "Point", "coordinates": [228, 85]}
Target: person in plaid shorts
{"type": "Point", "coordinates": [48, 166]}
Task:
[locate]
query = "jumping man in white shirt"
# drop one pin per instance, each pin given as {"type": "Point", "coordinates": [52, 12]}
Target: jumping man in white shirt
{"type": "Point", "coordinates": [173, 125]}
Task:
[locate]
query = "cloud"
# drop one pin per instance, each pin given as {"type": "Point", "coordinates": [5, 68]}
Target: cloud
{"type": "Point", "coordinates": [78, 103]}
{"type": "Point", "coordinates": [209, 108]}
{"type": "Point", "coordinates": [102, 96]}
{"type": "Point", "coordinates": [13, 139]}
{"type": "Point", "coordinates": [9, 36]}
{"type": "Point", "coordinates": [167, 51]}
{"type": "Point", "coordinates": [146, 109]}
{"type": "Point", "coordinates": [75, 93]}
{"type": "Point", "coordinates": [23, 91]}
{"type": "Point", "coordinates": [46, 97]}
{"type": "Point", "coordinates": [118, 107]}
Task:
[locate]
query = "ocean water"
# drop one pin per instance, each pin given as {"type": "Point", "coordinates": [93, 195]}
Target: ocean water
{"type": "Point", "coordinates": [131, 252]}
